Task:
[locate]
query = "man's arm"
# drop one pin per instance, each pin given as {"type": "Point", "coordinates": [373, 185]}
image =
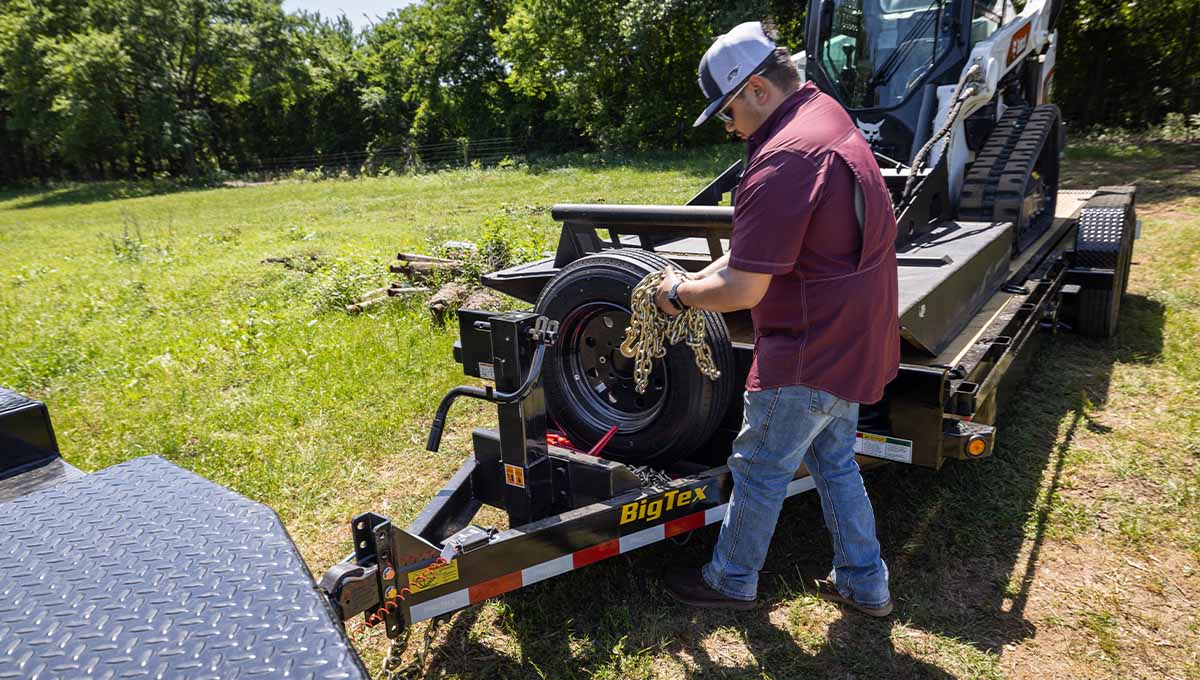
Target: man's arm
{"type": "Point", "coordinates": [717, 265]}
{"type": "Point", "coordinates": [724, 290]}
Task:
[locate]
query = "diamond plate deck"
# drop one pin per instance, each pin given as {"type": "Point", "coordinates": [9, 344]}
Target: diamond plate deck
{"type": "Point", "coordinates": [146, 570]}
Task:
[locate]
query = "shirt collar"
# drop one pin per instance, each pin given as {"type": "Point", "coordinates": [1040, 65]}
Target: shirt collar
{"type": "Point", "coordinates": [774, 121]}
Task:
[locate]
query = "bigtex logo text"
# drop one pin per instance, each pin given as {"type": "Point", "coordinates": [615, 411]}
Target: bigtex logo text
{"type": "Point", "coordinates": [651, 510]}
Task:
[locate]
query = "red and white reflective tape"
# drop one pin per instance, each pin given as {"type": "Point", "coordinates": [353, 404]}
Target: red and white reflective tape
{"type": "Point", "coordinates": [466, 597]}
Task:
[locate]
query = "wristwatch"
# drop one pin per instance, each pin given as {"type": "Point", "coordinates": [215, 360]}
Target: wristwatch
{"type": "Point", "coordinates": [673, 296]}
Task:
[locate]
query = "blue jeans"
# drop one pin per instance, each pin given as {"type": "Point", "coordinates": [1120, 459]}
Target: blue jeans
{"type": "Point", "coordinates": [783, 427]}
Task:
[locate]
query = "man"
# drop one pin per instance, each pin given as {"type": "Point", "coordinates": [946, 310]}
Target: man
{"type": "Point", "coordinates": [813, 257]}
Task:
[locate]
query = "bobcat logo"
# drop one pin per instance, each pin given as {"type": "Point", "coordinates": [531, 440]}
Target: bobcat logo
{"type": "Point", "coordinates": [870, 131]}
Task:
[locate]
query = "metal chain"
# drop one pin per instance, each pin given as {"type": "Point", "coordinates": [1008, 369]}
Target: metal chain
{"type": "Point", "coordinates": [391, 669]}
{"type": "Point", "coordinates": [649, 476]}
{"type": "Point", "coordinates": [968, 87]}
{"type": "Point", "coordinates": [650, 330]}
{"type": "Point", "coordinates": [430, 633]}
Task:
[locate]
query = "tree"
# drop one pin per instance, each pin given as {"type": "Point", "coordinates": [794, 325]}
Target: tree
{"type": "Point", "coordinates": [434, 74]}
{"type": "Point", "coordinates": [1127, 63]}
{"type": "Point", "coordinates": [623, 73]}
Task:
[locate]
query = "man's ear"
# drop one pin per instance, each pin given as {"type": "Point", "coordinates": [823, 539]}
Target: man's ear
{"type": "Point", "coordinates": [760, 89]}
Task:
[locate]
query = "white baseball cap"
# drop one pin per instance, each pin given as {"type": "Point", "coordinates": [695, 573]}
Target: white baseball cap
{"type": "Point", "coordinates": [731, 60]}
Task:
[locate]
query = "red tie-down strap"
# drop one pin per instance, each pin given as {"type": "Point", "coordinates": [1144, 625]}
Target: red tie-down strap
{"type": "Point", "coordinates": [562, 442]}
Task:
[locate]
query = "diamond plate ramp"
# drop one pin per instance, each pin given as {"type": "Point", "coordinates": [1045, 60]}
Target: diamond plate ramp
{"type": "Point", "coordinates": [146, 570]}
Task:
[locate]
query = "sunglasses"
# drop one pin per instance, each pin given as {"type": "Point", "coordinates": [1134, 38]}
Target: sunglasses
{"type": "Point", "coordinates": [723, 115]}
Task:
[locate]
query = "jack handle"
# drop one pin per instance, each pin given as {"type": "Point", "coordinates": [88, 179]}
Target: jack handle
{"type": "Point", "coordinates": [486, 394]}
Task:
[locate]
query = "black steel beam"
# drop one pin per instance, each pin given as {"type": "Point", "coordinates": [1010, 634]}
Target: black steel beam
{"type": "Point", "coordinates": [703, 217]}
{"type": "Point", "coordinates": [527, 469]}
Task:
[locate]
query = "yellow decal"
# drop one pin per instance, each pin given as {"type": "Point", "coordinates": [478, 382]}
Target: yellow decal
{"type": "Point", "coordinates": [432, 576]}
{"type": "Point", "coordinates": [651, 510]}
{"type": "Point", "coordinates": [514, 476]}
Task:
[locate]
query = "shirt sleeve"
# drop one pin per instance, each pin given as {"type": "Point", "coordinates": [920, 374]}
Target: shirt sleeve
{"type": "Point", "coordinates": [778, 196]}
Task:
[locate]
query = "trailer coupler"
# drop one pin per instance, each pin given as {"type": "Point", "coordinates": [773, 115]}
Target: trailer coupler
{"type": "Point", "coordinates": [388, 566]}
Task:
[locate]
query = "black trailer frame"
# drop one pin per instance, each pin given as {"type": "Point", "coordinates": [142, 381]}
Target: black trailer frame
{"type": "Point", "coordinates": [569, 509]}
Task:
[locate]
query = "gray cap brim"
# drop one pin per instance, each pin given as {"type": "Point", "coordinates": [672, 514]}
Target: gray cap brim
{"type": "Point", "coordinates": [708, 112]}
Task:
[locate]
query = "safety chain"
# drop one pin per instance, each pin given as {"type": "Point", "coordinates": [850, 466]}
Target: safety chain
{"type": "Point", "coordinates": [968, 87]}
{"type": "Point", "coordinates": [430, 633]}
{"type": "Point", "coordinates": [392, 668]}
{"type": "Point", "coordinates": [650, 330]}
{"type": "Point", "coordinates": [649, 476]}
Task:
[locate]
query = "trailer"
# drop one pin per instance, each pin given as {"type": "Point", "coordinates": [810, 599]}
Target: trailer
{"type": "Point", "coordinates": [147, 569]}
{"type": "Point", "coordinates": [147, 566]}
{"type": "Point", "coordinates": [571, 503]}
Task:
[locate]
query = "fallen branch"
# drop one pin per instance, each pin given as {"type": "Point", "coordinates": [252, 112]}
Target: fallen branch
{"type": "Point", "coordinates": [374, 297]}
{"type": "Point", "coordinates": [359, 306]}
{"type": "Point", "coordinates": [413, 257]}
{"type": "Point", "coordinates": [448, 298]}
{"type": "Point", "coordinates": [369, 299]}
{"type": "Point", "coordinates": [426, 271]}
{"type": "Point", "coordinates": [397, 290]}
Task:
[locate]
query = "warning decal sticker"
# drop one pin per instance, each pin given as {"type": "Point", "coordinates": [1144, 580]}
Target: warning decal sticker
{"type": "Point", "coordinates": [432, 576]}
{"type": "Point", "coordinates": [887, 448]}
{"type": "Point", "coordinates": [514, 476]}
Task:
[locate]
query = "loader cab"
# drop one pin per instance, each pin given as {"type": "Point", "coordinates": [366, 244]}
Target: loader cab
{"type": "Point", "coordinates": [884, 59]}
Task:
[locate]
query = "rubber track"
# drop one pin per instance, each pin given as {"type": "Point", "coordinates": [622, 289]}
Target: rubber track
{"type": "Point", "coordinates": [994, 187]}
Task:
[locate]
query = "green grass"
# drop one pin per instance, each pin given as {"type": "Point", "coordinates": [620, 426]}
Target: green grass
{"type": "Point", "coordinates": [149, 323]}
{"type": "Point", "coordinates": [143, 314]}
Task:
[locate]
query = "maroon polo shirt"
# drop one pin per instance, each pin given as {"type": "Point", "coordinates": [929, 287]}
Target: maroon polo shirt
{"type": "Point", "coordinates": [829, 318]}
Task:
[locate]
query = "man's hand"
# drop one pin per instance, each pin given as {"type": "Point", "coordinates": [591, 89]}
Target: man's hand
{"type": "Point", "coordinates": [660, 296]}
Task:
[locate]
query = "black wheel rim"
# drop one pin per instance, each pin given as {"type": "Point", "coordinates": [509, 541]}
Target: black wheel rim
{"type": "Point", "coordinates": [597, 379]}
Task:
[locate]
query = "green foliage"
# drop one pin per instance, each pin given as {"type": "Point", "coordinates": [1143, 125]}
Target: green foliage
{"type": "Point", "coordinates": [433, 74]}
{"type": "Point", "coordinates": [202, 88]}
{"type": "Point", "coordinates": [622, 73]}
{"type": "Point", "coordinates": [341, 280]}
{"type": "Point", "coordinates": [1178, 127]}
{"type": "Point", "coordinates": [506, 242]}
{"type": "Point", "coordinates": [1127, 63]}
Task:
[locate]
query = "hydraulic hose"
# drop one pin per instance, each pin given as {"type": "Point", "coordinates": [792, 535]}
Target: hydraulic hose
{"type": "Point", "coordinates": [486, 394]}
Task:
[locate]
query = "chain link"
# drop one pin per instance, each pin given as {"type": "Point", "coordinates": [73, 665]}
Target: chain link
{"type": "Point", "coordinates": [650, 330]}
{"type": "Point", "coordinates": [391, 669]}
{"type": "Point", "coordinates": [649, 476]}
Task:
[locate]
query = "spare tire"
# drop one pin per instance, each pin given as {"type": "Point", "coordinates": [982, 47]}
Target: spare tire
{"type": "Point", "coordinates": [589, 385]}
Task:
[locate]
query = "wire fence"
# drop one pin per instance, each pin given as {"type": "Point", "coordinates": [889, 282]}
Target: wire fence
{"type": "Point", "coordinates": [456, 153]}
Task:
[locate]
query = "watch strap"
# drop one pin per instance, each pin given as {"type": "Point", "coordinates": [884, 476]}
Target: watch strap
{"type": "Point", "coordinates": [673, 296]}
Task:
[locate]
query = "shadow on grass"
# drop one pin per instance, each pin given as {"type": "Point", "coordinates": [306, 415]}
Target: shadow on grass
{"type": "Point", "coordinates": [1164, 172]}
{"type": "Point", "coordinates": [704, 163]}
{"type": "Point", "coordinates": [95, 192]}
{"type": "Point", "coordinates": [963, 545]}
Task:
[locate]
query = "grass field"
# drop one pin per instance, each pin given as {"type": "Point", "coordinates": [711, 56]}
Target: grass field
{"type": "Point", "coordinates": [145, 317]}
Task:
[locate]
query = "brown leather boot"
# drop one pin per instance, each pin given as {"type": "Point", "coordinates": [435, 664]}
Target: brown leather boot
{"type": "Point", "coordinates": [826, 590]}
{"type": "Point", "coordinates": [689, 587]}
